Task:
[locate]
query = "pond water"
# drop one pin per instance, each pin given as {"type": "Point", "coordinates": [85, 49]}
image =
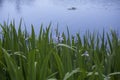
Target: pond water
{"type": "Point", "coordinates": [78, 15]}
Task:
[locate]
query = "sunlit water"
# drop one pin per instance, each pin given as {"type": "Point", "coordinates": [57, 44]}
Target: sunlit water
{"type": "Point", "coordinates": [93, 15]}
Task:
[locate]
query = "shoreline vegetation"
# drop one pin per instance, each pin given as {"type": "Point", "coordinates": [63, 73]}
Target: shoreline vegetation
{"type": "Point", "coordinates": [25, 56]}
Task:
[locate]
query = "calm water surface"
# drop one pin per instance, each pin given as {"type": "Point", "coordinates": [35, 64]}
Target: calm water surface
{"type": "Point", "coordinates": [87, 15]}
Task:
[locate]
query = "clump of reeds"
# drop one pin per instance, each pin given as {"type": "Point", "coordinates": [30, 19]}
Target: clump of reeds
{"type": "Point", "coordinates": [25, 56]}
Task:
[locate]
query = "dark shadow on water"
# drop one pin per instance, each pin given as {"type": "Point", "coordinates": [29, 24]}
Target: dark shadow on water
{"type": "Point", "coordinates": [1, 3]}
{"type": "Point", "coordinates": [18, 5]}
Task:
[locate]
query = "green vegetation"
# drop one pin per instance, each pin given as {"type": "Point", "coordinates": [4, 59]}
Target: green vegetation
{"type": "Point", "coordinates": [25, 56]}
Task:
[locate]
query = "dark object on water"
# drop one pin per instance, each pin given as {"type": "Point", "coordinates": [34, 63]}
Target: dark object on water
{"type": "Point", "coordinates": [72, 8]}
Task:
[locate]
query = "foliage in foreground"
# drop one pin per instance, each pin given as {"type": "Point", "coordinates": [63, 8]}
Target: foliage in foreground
{"type": "Point", "coordinates": [26, 56]}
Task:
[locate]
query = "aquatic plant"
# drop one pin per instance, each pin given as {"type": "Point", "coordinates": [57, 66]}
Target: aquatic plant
{"type": "Point", "coordinates": [25, 56]}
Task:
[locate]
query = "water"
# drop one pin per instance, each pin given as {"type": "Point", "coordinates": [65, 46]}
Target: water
{"type": "Point", "coordinates": [93, 15]}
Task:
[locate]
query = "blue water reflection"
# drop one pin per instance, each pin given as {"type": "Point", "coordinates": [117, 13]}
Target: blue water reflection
{"type": "Point", "coordinates": [88, 14]}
